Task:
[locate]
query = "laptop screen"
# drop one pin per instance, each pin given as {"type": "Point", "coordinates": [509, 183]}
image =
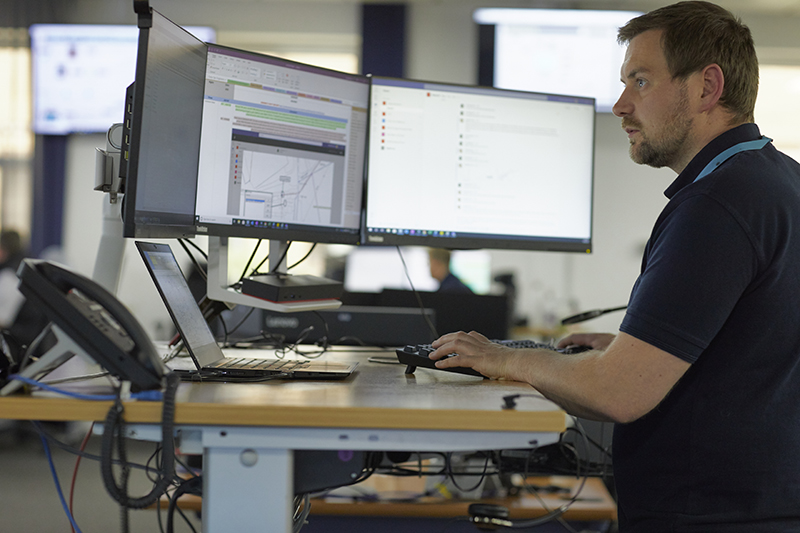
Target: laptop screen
{"type": "Point", "coordinates": [183, 309]}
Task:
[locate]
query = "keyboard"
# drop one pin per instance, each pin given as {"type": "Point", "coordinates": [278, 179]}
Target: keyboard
{"type": "Point", "coordinates": [417, 355]}
{"type": "Point", "coordinates": [284, 365]}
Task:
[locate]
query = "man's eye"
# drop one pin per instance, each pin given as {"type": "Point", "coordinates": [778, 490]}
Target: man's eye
{"type": "Point", "coordinates": [640, 83]}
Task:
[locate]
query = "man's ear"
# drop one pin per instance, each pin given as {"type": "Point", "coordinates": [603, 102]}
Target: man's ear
{"type": "Point", "coordinates": [713, 84]}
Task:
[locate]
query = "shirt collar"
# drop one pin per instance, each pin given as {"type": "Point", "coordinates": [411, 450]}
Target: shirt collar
{"type": "Point", "coordinates": [745, 132]}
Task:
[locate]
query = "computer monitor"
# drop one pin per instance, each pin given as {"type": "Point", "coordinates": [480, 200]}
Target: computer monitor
{"type": "Point", "coordinates": [163, 116]}
{"type": "Point", "coordinates": [570, 51]}
{"type": "Point", "coordinates": [80, 72]}
{"type": "Point", "coordinates": [282, 149]}
{"type": "Point", "coordinates": [453, 166]}
{"type": "Point", "coordinates": [374, 268]}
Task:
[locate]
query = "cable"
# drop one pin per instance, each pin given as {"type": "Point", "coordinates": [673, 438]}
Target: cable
{"type": "Point", "coordinates": [451, 474]}
{"type": "Point", "coordinates": [194, 245]}
{"type": "Point", "coordinates": [242, 321]}
{"type": "Point", "coordinates": [75, 379]}
{"type": "Point", "coordinates": [114, 431]}
{"type": "Point", "coordinates": [197, 266]}
{"type": "Point", "coordinates": [143, 395]}
{"type": "Point", "coordinates": [283, 256]}
{"type": "Point", "coordinates": [431, 327]}
{"type": "Point", "coordinates": [244, 270]}
{"type": "Point", "coordinates": [75, 470]}
{"type": "Point", "coordinates": [302, 510]}
{"type": "Point", "coordinates": [304, 257]}
{"type": "Point", "coordinates": [190, 486]}
{"type": "Point", "coordinates": [69, 449]}
{"type": "Point", "coordinates": [58, 485]}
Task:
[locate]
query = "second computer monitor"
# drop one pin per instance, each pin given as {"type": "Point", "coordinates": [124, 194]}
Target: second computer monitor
{"type": "Point", "coordinates": [455, 166]}
{"type": "Point", "coordinates": [282, 149]}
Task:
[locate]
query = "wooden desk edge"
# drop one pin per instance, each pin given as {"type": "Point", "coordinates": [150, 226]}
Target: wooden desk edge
{"type": "Point", "coordinates": [38, 408]}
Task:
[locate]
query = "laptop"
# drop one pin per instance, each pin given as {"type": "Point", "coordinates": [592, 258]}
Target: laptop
{"type": "Point", "coordinates": [208, 359]}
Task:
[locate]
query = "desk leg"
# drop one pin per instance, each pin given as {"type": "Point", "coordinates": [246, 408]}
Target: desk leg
{"type": "Point", "coordinates": [247, 489]}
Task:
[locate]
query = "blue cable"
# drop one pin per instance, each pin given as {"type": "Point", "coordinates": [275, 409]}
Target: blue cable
{"type": "Point", "coordinates": [58, 485]}
{"type": "Point", "coordinates": [144, 395]}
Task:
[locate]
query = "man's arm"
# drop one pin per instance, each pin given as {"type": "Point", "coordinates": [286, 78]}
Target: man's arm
{"type": "Point", "coordinates": [619, 383]}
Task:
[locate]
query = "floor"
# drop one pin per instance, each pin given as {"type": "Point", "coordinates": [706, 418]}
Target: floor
{"type": "Point", "coordinates": [29, 501]}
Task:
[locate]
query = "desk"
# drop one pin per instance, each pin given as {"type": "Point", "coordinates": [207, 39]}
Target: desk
{"type": "Point", "coordinates": [247, 432]}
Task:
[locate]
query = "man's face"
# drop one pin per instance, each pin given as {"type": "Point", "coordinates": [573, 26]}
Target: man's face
{"type": "Point", "coordinates": [654, 108]}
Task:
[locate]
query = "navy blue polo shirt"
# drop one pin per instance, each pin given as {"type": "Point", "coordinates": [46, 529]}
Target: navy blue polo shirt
{"type": "Point", "coordinates": [720, 288]}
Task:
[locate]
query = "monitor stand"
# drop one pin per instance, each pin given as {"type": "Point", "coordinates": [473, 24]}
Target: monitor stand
{"type": "Point", "coordinates": [313, 293]}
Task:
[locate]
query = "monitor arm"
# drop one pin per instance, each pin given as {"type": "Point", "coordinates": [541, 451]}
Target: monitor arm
{"type": "Point", "coordinates": [108, 263]}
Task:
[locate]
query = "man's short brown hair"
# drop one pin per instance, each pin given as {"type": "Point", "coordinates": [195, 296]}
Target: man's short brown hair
{"type": "Point", "coordinates": [698, 34]}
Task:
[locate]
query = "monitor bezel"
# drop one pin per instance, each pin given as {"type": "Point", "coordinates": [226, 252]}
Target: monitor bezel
{"type": "Point", "coordinates": [182, 226]}
{"type": "Point", "coordinates": [294, 232]}
{"type": "Point", "coordinates": [472, 241]}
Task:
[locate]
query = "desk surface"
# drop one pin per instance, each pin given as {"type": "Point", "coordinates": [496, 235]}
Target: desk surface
{"type": "Point", "coordinates": [375, 396]}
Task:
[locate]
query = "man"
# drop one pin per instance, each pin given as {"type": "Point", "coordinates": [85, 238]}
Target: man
{"type": "Point", "coordinates": [439, 262]}
{"type": "Point", "coordinates": [703, 379]}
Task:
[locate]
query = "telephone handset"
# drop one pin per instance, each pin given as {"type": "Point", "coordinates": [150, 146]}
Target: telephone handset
{"type": "Point", "coordinates": [95, 320]}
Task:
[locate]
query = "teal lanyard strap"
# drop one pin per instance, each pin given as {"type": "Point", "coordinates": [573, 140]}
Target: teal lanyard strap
{"type": "Point", "coordinates": [730, 152]}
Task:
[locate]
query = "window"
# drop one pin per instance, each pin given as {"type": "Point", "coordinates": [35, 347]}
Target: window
{"type": "Point", "coordinates": [778, 107]}
{"type": "Point", "coordinates": [16, 138]}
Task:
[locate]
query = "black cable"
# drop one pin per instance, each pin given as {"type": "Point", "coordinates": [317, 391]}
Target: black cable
{"type": "Point", "coordinates": [194, 261]}
{"type": "Point", "coordinates": [199, 250]}
{"type": "Point", "coordinates": [237, 326]}
{"type": "Point", "coordinates": [451, 474]}
{"type": "Point", "coordinates": [283, 256]}
{"type": "Point", "coordinates": [113, 431]}
{"type": "Point", "coordinates": [224, 329]}
{"type": "Point", "coordinates": [427, 319]}
{"type": "Point", "coordinates": [258, 267]}
{"type": "Point", "coordinates": [126, 471]}
{"type": "Point", "coordinates": [244, 270]}
{"type": "Point", "coordinates": [85, 455]}
{"type": "Point", "coordinates": [593, 442]}
{"type": "Point", "coordinates": [304, 257]}
{"type": "Point", "coordinates": [190, 486]}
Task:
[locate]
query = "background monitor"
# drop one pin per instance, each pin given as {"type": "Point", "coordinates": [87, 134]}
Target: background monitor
{"type": "Point", "coordinates": [454, 166]}
{"type": "Point", "coordinates": [375, 268]}
{"type": "Point", "coordinates": [560, 51]}
{"type": "Point", "coordinates": [282, 149]}
{"type": "Point", "coordinates": [80, 72]}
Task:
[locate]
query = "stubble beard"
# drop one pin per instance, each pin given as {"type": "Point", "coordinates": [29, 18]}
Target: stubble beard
{"type": "Point", "coordinates": [667, 148]}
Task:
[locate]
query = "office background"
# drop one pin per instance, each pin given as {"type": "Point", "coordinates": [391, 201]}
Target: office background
{"type": "Point", "coordinates": [439, 43]}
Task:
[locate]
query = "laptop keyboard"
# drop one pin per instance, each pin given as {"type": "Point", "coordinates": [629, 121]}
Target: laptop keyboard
{"type": "Point", "coordinates": [282, 365]}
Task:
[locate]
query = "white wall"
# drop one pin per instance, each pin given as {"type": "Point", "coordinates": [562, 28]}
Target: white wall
{"type": "Point", "coordinates": [442, 46]}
